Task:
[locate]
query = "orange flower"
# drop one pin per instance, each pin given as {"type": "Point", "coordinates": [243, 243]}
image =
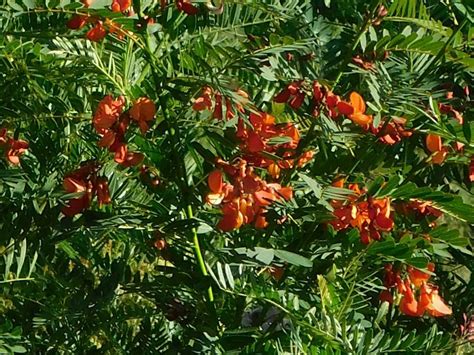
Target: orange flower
{"type": "Point", "coordinates": [107, 113]}
{"type": "Point", "coordinates": [432, 302]}
{"type": "Point", "coordinates": [77, 21]}
{"type": "Point", "coordinates": [274, 170]}
{"type": "Point", "coordinates": [97, 33]}
{"type": "Point", "coordinates": [418, 277]}
{"type": "Point", "coordinates": [408, 303]}
{"type": "Point", "coordinates": [120, 5]}
{"type": "Point", "coordinates": [305, 158]}
{"type": "Point", "coordinates": [15, 149]}
{"type": "Point", "coordinates": [291, 94]}
{"type": "Point", "coordinates": [244, 200]}
{"type": "Point", "coordinates": [391, 132]}
{"type": "Point", "coordinates": [74, 184]}
{"type": "Point", "coordinates": [187, 7]}
{"type": "Point", "coordinates": [355, 110]}
{"type": "Point", "coordinates": [143, 110]}
{"type": "Point", "coordinates": [87, 3]}
{"type": "Point", "coordinates": [232, 218]}
{"type": "Point", "coordinates": [103, 194]}
{"type": "Point", "coordinates": [204, 101]}
{"type": "Point", "coordinates": [434, 145]}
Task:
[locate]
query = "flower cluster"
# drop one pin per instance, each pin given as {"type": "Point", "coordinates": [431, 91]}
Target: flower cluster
{"type": "Point", "coordinates": [12, 147]}
{"type": "Point", "coordinates": [188, 8]}
{"type": "Point", "coordinates": [370, 217]}
{"type": "Point", "coordinates": [435, 146]}
{"type": "Point", "coordinates": [263, 134]}
{"type": "Point", "coordinates": [428, 301]}
{"type": "Point", "coordinates": [392, 131]}
{"type": "Point", "coordinates": [323, 99]}
{"type": "Point", "coordinates": [420, 209]}
{"type": "Point", "coordinates": [245, 198]}
{"type": "Point", "coordinates": [84, 181]}
{"type": "Point", "coordinates": [111, 124]}
{"type": "Point", "coordinates": [213, 101]}
{"type": "Point", "coordinates": [100, 28]}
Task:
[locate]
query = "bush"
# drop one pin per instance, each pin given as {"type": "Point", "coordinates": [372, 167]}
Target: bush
{"type": "Point", "coordinates": [236, 176]}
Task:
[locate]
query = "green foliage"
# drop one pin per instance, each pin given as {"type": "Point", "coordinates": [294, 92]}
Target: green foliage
{"type": "Point", "coordinates": [98, 283]}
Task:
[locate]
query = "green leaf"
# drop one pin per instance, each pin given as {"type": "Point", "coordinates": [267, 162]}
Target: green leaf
{"type": "Point", "coordinates": [293, 258]}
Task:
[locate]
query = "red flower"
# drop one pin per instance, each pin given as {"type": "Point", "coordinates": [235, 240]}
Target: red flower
{"type": "Point", "coordinates": [97, 33]}
{"type": "Point", "coordinates": [15, 149]}
{"type": "Point", "coordinates": [355, 110]}
{"type": "Point", "coordinates": [187, 7]}
{"type": "Point", "coordinates": [471, 170]}
{"type": "Point", "coordinates": [120, 5]}
{"type": "Point", "coordinates": [107, 113]}
{"type": "Point", "coordinates": [143, 110]}
{"type": "Point", "coordinates": [102, 189]}
{"type": "Point", "coordinates": [291, 94]}
{"type": "Point", "coordinates": [76, 184]}
{"type": "Point", "coordinates": [244, 200]}
{"type": "Point", "coordinates": [434, 145]}
{"type": "Point", "coordinates": [418, 277]}
{"type": "Point", "coordinates": [87, 3]}
{"type": "Point", "coordinates": [203, 102]}
{"type": "Point", "coordinates": [432, 302]}
{"type": "Point", "coordinates": [77, 21]}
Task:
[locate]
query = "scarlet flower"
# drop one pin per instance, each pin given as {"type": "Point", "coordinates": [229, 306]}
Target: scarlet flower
{"type": "Point", "coordinates": [291, 94]}
{"type": "Point", "coordinates": [120, 5]}
{"type": "Point", "coordinates": [73, 183]}
{"type": "Point", "coordinates": [418, 277]}
{"type": "Point", "coordinates": [107, 113]}
{"type": "Point", "coordinates": [97, 33]}
{"type": "Point", "coordinates": [434, 145]}
{"type": "Point", "coordinates": [203, 102]}
{"type": "Point", "coordinates": [132, 159]}
{"type": "Point", "coordinates": [87, 3]}
{"type": "Point", "coordinates": [187, 7]}
{"type": "Point", "coordinates": [386, 296]}
{"type": "Point", "coordinates": [305, 158]}
{"type": "Point", "coordinates": [107, 139]}
{"type": "Point", "coordinates": [408, 303]}
{"type": "Point", "coordinates": [355, 110]}
{"type": "Point", "coordinates": [245, 199]}
{"type": "Point", "coordinates": [391, 132]}
{"type": "Point", "coordinates": [77, 22]}
{"type": "Point", "coordinates": [15, 149]}
{"type": "Point", "coordinates": [367, 65]}
{"type": "Point", "coordinates": [84, 182]}
{"type": "Point", "coordinates": [431, 301]}
{"type": "Point", "coordinates": [143, 110]}
{"type": "Point", "coordinates": [102, 189]}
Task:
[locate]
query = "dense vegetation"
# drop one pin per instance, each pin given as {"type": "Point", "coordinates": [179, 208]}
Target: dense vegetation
{"type": "Point", "coordinates": [236, 176]}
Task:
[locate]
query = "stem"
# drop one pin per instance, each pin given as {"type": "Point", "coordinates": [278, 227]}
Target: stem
{"type": "Point", "coordinates": [199, 257]}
